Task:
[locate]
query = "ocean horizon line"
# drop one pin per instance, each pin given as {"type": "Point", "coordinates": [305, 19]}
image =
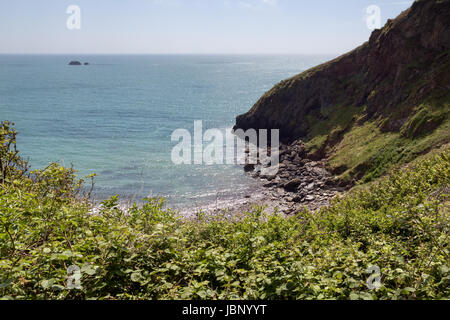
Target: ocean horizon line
{"type": "Point", "coordinates": [170, 54]}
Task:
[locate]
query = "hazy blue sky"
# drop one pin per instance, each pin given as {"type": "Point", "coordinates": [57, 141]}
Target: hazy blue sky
{"type": "Point", "coordinates": [189, 26]}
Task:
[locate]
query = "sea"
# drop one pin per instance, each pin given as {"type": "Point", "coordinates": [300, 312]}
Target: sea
{"type": "Point", "coordinates": [115, 117]}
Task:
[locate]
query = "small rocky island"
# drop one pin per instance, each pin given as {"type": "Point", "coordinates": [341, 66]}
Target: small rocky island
{"type": "Point", "coordinates": [77, 63]}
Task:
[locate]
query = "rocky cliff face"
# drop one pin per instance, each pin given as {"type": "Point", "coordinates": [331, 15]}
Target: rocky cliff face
{"type": "Point", "coordinates": [384, 80]}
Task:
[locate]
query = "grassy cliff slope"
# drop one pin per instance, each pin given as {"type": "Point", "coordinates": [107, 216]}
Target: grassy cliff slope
{"type": "Point", "coordinates": [385, 102]}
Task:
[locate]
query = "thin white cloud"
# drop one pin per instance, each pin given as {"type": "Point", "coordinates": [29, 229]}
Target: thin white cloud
{"type": "Point", "coordinates": [271, 2]}
{"type": "Point", "coordinates": [255, 4]}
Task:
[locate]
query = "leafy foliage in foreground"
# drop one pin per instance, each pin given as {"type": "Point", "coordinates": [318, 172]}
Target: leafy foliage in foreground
{"type": "Point", "coordinates": [399, 224]}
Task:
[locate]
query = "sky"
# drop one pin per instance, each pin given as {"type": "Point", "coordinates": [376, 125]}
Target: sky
{"type": "Point", "coordinates": [189, 26]}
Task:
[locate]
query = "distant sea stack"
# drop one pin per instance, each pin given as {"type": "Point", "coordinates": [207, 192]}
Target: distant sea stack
{"type": "Point", "coordinates": [78, 63]}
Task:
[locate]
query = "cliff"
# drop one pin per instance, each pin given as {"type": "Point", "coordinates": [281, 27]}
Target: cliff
{"type": "Point", "coordinates": [393, 89]}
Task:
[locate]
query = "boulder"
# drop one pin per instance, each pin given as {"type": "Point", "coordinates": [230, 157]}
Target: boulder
{"type": "Point", "coordinates": [249, 167]}
{"type": "Point", "coordinates": [293, 184]}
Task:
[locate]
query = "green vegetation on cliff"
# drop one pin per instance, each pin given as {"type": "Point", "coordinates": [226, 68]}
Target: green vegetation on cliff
{"type": "Point", "coordinates": [378, 106]}
{"type": "Point", "coordinates": [366, 152]}
{"type": "Point", "coordinates": [400, 224]}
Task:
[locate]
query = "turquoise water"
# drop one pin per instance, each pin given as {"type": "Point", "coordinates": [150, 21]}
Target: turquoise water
{"type": "Point", "coordinates": [115, 117]}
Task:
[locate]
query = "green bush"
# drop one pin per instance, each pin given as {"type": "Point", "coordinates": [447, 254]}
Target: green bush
{"type": "Point", "coordinates": [399, 224]}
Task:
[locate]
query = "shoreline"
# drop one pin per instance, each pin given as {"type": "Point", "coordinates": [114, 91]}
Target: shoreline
{"type": "Point", "coordinates": [300, 183]}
